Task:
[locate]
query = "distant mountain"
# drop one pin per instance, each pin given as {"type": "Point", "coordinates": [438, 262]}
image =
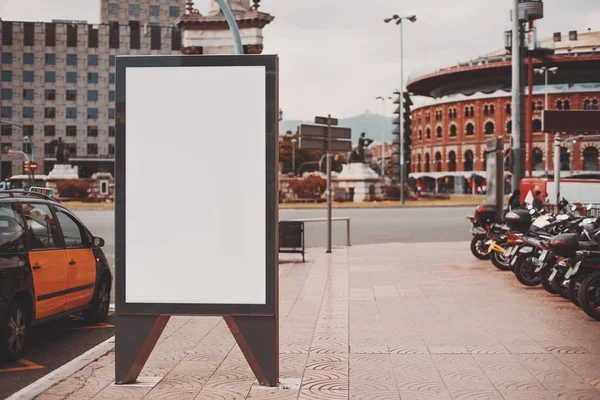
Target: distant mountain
{"type": "Point", "coordinates": [371, 124]}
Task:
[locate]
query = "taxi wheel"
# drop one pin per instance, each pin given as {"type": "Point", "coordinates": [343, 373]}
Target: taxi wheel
{"type": "Point", "coordinates": [14, 332]}
{"type": "Point", "coordinates": [100, 303]}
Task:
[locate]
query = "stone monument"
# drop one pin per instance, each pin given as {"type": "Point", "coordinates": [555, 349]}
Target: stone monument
{"type": "Point", "coordinates": [357, 177]}
{"type": "Point", "coordinates": [62, 170]}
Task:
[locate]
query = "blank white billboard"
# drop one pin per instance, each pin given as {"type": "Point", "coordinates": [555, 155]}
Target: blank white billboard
{"type": "Point", "coordinates": [195, 185]}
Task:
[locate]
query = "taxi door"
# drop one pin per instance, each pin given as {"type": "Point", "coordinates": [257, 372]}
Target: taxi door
{"type": "Point", "coordinates": [47, 259]}
{"type": "Point", "coordinates": [80, 259]}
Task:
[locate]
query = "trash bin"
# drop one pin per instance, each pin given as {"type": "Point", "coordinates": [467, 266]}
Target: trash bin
{"type": "Point", "coordinates": [291, 237]}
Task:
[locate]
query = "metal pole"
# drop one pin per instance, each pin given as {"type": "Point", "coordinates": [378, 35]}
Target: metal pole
{"type": "Point", "coordinates": [529, 114]}
{"type": "Point", "coordinates": [294, 158]}
{"type": "Point", "coordinates": [233, 26]}
{"type": "Point", "coordinates": [547, 150]}
{"type": "Point", "coordinates": [516, 99]}
{"type": "Point", "coordinates": [557, 167]}
{"type": "Point", "coordinates": [401, 140]}
{"type": "Point", "coordinates": [348, 232]}
{"type": "Point", "coordinates": [328, 184]}
{"type": "Point", "coordinates": [383, 141]}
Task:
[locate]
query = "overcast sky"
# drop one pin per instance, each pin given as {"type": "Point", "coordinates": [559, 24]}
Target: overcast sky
{"type": "Point", "coordinates": [336, 56]}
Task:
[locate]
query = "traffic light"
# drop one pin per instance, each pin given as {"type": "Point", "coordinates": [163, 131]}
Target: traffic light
{"type": "Point", "coordinates": [26, 166]}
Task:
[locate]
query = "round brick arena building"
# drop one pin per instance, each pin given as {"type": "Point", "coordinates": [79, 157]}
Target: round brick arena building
{"type": "Point", "coordinates": [471, 102]}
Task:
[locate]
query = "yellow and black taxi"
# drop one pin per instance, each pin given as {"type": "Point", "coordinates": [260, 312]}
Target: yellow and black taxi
{"type": "Point", "coordinates": [50, 267]}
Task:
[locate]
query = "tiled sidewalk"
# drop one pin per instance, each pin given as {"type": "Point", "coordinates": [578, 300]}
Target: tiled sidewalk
{"type": "Point", "coordinates": [391, 321]}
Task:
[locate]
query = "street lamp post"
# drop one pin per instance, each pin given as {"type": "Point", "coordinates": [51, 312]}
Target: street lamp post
{"type": "Point", "coordinates": [383, 99]}
{"type": "Point", "coordinates": [411, 18]}
{"type": "Point", "coordinates": [545, 70]}
{"type": "Point", "coordinates": [294, 156]}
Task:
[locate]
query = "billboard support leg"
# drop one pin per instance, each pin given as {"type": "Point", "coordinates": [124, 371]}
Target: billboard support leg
{"type": "Point", "coordinates": [258, 338]}
{"type": "Point", "coordinates": [135, 337]}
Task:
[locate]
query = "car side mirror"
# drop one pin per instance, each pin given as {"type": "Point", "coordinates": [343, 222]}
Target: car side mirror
{"type": "Point", "coordinates": [98, 242]}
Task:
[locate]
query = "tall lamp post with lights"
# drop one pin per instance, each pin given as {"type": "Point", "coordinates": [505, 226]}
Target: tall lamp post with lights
{"type": "Point", "coordinates": [398, 19]}
{"type": "Point", "coordinates": [383, 99]}
{"type": "Point", "coordinates": [545, 70]}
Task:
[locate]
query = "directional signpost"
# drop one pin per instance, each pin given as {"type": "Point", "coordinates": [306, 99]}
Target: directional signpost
{"type": "Point", "coordinates": [328, 137]}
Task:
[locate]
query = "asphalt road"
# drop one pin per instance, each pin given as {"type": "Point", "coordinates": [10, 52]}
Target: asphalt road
{"type": "Point", "coordinates": [53, 345]}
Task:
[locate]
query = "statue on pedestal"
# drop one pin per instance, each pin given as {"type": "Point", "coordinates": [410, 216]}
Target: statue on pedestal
{"type": "Point", "coordinates": [358, 154]}
{"type": "Point", "coordinates": [62, 156]}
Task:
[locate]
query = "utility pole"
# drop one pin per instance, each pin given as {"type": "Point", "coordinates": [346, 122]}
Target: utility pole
{"type": "Point", "coordinates": [329, 156]}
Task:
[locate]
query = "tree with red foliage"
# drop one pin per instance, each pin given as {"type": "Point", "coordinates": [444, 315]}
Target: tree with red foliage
{"type": "Point", "coordinates": [311, 187]}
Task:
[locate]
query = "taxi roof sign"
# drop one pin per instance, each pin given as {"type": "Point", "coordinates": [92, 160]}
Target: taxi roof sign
{"type": "Point", "coordinates": [45, 191]}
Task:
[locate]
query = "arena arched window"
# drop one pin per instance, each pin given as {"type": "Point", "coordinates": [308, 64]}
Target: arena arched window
{"type": "Point", "coordinates": [486, 110]}
{"type": "Point", "coordinates": [454, 113]}
{"type": "Point", "coordinates": [428, 133]}
{"type": "Point", "coordinates": [427, 162]}
{"type": "Point", "coordinates": [565, 159]}
{"type": "Point", "coordinates": [438, 161]}
{"type": "Point", "coordinates": [559, 104]}
{"type": "Point", "coordinates": [595, 104]}
{"type": "Point", "coordinates": [489, 128]}
{"type": "Point", "coordinates": [472, 111]}
{"type": "Point", "coordinates": [590, 159]}
{"type": "Point", "coordinates": [470, 129]}
{"type": "Point", "coordinates": [452, 161]}
{"type": "Point", "coordinates": [539, 106]}
{"type": "Point", "coordinates": [508, 108]}
{"type": "Point", "coordinates": [438, 132]}
{"type": "Point", "coordinates": [453, 130]}
{"type": "Point", "coordinates": [537, 125]}
{"type": "Point", "coordinates": [466, 111]}
{"type": "Point", "coordinates": [419, 163]}
{"type": "Point", "coordinates": [469, 158]}
{"type": "Point", "coordinates": [484, 160]}
{"type": "Point", "coordinates": [492, 109]}
{"type": "Point", "coordinates": [567, 105]}
{"type": "Point", "coordinates": [420, 134]}
{"type": "Point", "coordinates": [587, 104]}
{"type": "Point", "coordinates": [538, 159]}
{"type": "Point", "coordinates": [509, 126]}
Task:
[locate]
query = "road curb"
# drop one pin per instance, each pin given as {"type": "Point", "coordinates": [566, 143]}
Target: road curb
{"type": "Point", "coordinates": [56, 376]}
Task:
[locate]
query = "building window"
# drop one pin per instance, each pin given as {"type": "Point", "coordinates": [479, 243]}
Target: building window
{"type": "Point", "coordinates": [559, 105]}
{"type": "Point", "coordinates": [508, 108]}
{"type": "Point", "coordinates": [29, 34]}
{"type": "Point", "coordinates": [111, 95]}
{"type": "Point", "coordinates": [28, 76]}
{"type": "Point", "coordinates": [155, 11]}
{"type": "Point", "coordinates": [111, 113]}
{"type": "Point", "coordinates": [6, 112]}
{"type": "Point", "coordinates": [7, 33]}
{"type": "Point", "coordinates": [92, 149]}
{"type": "Point", "coordinates": [6, 130]}
{"type": "Point", "coordinates": [111, 61]}
{"type": "Point", "coordinates": [50, 76]}
{"type": "Point", "coordinates": [587, 104]}
{"type": "Point", "coordinates": [452, 161]}
{"type": "Point", "coordinates": [6, 76]}
{"type": "Point", "coordinates": [438, 162]}
{"type": "Point", "coordinates": [28, 58]}
{"type": "Point", "coordinates": [174, 12]}
{"type": "Point", "coordinates": [420, 134]}
{"type": "Point", "coordinates": [175, 38]}
{"type": "Point", "coordinates": [470, 128]}
{"type": "Point", "coordinates": [111, 149]}
{"type": "Point", "coordinates": [567, 105]}
{"type": "Point", "coordinates": [28, 94]}
{"type": "Point", "coordinates": [489, 128]}
{"type": "Point", "coordinates": [6, 94]}
{"type": "Point", "coordinates": [111, 131]}
{"type": "Point", "coordinates": [72, 113]}
{"type": "Point", "coordinates": [92, 37]}
{"type": "Point", "coordinates": [427, 162]}
{"type": "Point", "coordinates": [92, 131]}
{"type": "Point", "coordinates": [486, 110]}
{"type": "Point", "coordinates": [92, 95]}
{"type": "Point", "coordinates": [92, 77]}
{"type": "Point", "coordinates": [428, 133]}
{"type": "Point", "coordinates": [134, 9]}
{"type": "Point", "coordinates": [49, 112]}
{"type": "Point", "coordinates": [71, 130]}
{"type": "Point", "coordinates": [92, 113]}
{"type": "Point", "coordinates": [111, 78]}
{"type": "Point", "coordinates": [438, 132]}
{"type": "Point", "coordinates": [49, 149]}
{"type": "Point", "coordinates": [71, 59]}
{"type": "Point", "coordinates": [539, 106]}
{"type": "Point", "coordinates": [134, 34]}
{"type": "Point", "coordinates": [469, 158]}
{"type": "Point", "coordinates": [113, 35]}
{"type": "Point", "coordinates": [72, 149]}
{"type": "Point", "coordinates": [49, 130]}
{"type": "Point", "coordinates": [27, 112]}
{"type": "Point", "coordinates": [50, 35]}
{"type": "Point", "coordinates": [565, 159]}
{"type": "Point", "coordinates": [92, 60]}
{"type": "Point", "coordinates": [50, 94]}
{"type": "Point", "coordinates": [155, 37]}
{"type": "Point", "coordinates": [509, 127]}
{"type": "Point", "coordinates": [113, 8]}
{"type": "Point", "coordinates": [50, 59]}
{"type": "Point", "coordinates": [590, 159]}
{"type": "Point", "coordinates": [453, 130]}
{"type": "Point", "coordinates": [595, 105]}
{"type": "Point", "coordinates": [492, 109]}
{"type": "Point", "coordinates": [7, 58]}
{"type": "Point", "coordinates": [537, 125]}
{"type": "Point", "coordinates": [71, 77]}
{"type": "Point", "coordinates": [537, 159]}
{"type": "Point", "coordinates": [471, 111]}
{"type": "Point", "coordinates": [71, 35]}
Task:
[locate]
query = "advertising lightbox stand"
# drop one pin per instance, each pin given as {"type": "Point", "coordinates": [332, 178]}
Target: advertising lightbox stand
{"type": "Point", "coordinates": [196, 202]}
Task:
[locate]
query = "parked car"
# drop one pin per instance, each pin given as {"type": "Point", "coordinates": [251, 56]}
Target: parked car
{"type": "Point", "coordinates": [51, 266]}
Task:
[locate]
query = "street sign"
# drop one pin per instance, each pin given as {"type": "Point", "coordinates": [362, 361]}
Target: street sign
{"type": "Point", "coordinates": [571, 121]}
{"type": "Point", "coordinates": [323, 121]}
{"type": "Point", "coordinates": [321, 144]}
{"type": "Point", "coordinates": [33, 166]}
{"type": "Point", "coordinates": [321, 131]}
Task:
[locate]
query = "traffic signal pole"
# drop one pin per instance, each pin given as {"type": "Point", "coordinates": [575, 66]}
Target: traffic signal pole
{"type": "Point", "coordinates": [329, 183]}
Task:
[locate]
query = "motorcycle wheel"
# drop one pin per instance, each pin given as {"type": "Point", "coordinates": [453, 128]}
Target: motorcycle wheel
{"type": "Point", "coordinates": [525, 273]}
{"type": "Point", "coordinates": [545, 278]}
{"type": "Point", "coordinates": [589, 296]}
{"type": "Point", "coordinates": [563, 291]}
{"type": "Point", "coordinates": [574, 287]}
{"type": "Point", "coordinates": [500, 261]}
{"type": "Point", "coordinates": [479, 248]}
